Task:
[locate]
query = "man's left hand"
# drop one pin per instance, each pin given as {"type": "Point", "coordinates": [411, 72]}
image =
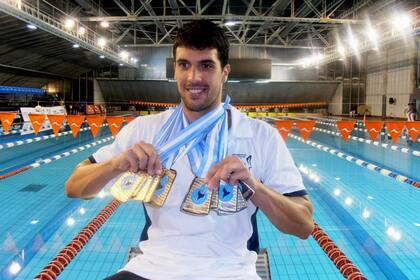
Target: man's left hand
{"type": "Point", "coordinates": [231, 169]}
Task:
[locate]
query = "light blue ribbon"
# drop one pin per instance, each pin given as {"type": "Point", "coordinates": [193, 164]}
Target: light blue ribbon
{"type": "Point", "coordinates": [205, 140]}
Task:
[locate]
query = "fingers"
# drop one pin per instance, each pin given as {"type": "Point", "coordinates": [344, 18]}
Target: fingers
{"type": "Point", "coordinates": [230, 170]}
{"type": "Point", "coordinates": [153, 164]}
{"type": "Point", "coordinates": [143, 156]}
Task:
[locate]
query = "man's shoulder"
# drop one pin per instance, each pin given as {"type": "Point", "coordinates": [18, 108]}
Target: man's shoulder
{"type": "Point", "coordinates": [154, 118]}
{"type": "Point", "coordinates": [144, 127]}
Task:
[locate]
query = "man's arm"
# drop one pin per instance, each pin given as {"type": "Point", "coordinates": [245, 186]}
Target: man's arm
{"type": "Point", "coordinates": [89, 178]}
{"type": "Point", "coordinates": [292, 215]}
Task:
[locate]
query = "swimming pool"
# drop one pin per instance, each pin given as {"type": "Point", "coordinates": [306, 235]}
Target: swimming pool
{"type": "Point", "coordinates": [372, 218]}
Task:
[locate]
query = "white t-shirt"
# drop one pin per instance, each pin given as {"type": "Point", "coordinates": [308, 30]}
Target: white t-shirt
{"type": "Point", "coordinates": [183, 246]}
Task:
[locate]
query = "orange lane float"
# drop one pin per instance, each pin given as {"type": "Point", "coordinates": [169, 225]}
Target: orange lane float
{"type": "Point", "coordinates": [52, 270]}
{"type": "Point", "coordinates": [346, 267]}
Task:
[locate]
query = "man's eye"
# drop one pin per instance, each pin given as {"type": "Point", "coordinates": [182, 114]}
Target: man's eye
{"type": "Point", "coordinates": [207, 66]}
{"type": "Point", "coordinates": [183, 64]}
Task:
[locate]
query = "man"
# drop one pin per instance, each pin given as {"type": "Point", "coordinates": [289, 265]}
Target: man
{"type": "Point", "coordinates": [184, 246]}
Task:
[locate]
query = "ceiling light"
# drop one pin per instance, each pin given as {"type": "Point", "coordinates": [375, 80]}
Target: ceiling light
{"type": "Point", "coordinates": [134, 60]}
{"type": "Point", "coordinates": [102, 56]}
{"type": "Point", "coordinates": [76, 46]}
{"type": "Point", "coordinates": [401, 21]}
{"type": "Point", "coordinates": [337, 192]}
{"type": "Point", "coordinates": [69, 24]}
{"type": "Point", "coordinates": [81, 30]}
{"type": "Point", "coordinates": [82, 210]}
{"type": "Point", "coordinates": [341, 50]}
{"type": "Point", "coordinates": [124, 54]}
{"type": "Point", "coordinates": [101, 42]}
{"type": "Point", "coordinates": [372, 35]}
{"type": "Point", "coordinates": [104, 24]}
{"type": "Point", "coordinates": [31, 26]}
{"type": "Point", "coordinates": [34, 222]}
{"type": "Point", "coordinates": [353, 41]}
{"type": "Point", "coordinates": [121, 64]}
{"type": "Point", "coordinates": [231, 23]}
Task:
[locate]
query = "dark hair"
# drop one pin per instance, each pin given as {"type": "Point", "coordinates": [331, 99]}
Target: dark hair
{"type": "Point", "coordinates": [203, 34]}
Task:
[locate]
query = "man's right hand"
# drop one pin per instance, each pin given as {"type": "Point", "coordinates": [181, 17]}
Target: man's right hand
{"type": "Point", "coordinates": [140, 156]}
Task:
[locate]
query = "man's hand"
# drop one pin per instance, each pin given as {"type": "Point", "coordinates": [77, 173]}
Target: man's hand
{"type": "Point", "coordinates": [231, 169]}
{"type": "Point", "coordinates": [140, 156]}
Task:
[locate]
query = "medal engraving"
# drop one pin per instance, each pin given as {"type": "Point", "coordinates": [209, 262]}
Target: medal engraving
{"type": "Point", "coordinates": [126, 186]}
{"type": "Point", "coordinates": [197, 200]}
{"type": "Point", "coordinates": [228, 196]}
{"type": "Point", "coordinates": [162, 189]}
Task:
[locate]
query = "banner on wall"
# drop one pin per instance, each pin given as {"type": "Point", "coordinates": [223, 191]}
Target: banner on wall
{"type": "Point", "coordinates": [75, 122]}
{"type": "Point", "coordinates": [374, 128]}
{"type": "Point", "coordinates": [95, 123]}
{"type": "Point", "coordinates": [394, 129]}
{"type": "Point", "coordinates": [114, 123]}
{"type": "Point", "coordinates": [413, 129]}
{"type": "Point", "coordinates": [345, 127]}
{"type": "Point", "coordinates": [284, 128]}
{"type": "Point", "coordinates": [6, 120]}
{"type": "Point", "coordinates": [305, 128]}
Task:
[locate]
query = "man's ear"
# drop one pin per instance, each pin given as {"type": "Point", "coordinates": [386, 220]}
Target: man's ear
{"type": "Point", "coordinates": [226, 71]}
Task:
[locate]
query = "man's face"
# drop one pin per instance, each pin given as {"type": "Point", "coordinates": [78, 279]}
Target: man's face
{"type": "Point", "coordinates": [200, 78]}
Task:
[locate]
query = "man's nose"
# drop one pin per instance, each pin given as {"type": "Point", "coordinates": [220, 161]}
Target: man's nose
{"type": "Point", "coordinates": [194, 74]}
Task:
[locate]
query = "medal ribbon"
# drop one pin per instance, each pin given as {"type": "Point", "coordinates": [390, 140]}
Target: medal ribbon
{"type": "Point", "coordinates": [205, 139]}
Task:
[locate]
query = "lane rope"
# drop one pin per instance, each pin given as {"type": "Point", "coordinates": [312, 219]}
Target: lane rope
{"type": "Point", "coordinates": [365, 164]}
{"type": "Point", "coordinates": [56, 157]}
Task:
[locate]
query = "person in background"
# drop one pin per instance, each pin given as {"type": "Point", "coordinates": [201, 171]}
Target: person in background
{"type": "Point", "coordinates": [411, 112]}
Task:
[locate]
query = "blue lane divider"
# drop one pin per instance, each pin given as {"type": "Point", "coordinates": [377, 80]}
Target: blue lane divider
{"type": "Point", "coordinates": [363, 163]}
{"type": "Point", "coordinates": [373, 249]}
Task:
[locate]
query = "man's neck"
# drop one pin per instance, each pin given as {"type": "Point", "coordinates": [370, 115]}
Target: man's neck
{"type": "Point", "coordinates": [193, 116]}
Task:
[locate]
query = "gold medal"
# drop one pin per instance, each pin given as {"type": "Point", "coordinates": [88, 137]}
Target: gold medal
{"type": "Point", "coordinates": [147, 188]}
{"type": "Point", "coordinates": [197, 200]}
{"type": "Point", "coordinates": [162, 189]}
{"type": "Point", "coordinates": [127, 185]}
